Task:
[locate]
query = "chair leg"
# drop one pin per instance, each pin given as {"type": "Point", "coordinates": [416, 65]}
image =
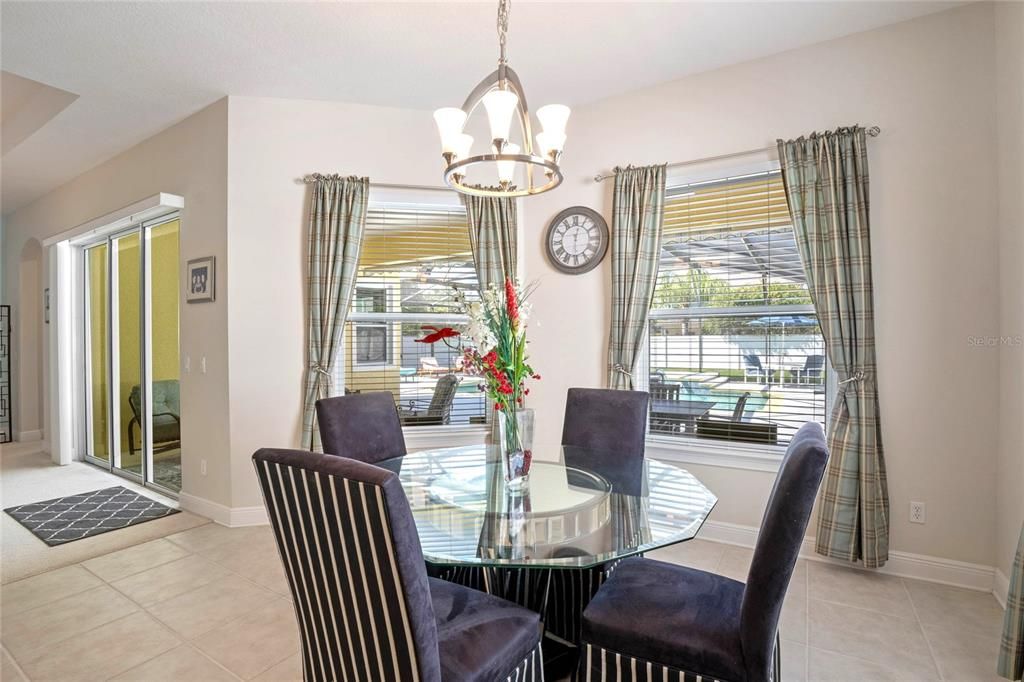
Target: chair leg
{"type": "Point", "coordinates": [777, 662]}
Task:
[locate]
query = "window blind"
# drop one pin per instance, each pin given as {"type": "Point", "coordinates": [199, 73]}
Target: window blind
{"type": "Point", "coordinates": [413, 258]}
{"type": "Point", "coordinates": [734, 346]}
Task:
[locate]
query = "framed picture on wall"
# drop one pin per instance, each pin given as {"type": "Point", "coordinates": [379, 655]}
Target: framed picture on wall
{"type": "Point", "coordinates": [200, 280]}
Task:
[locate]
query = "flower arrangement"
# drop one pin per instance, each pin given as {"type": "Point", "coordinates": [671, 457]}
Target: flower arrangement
{"type": "Point", "coordinates": [498, 355]}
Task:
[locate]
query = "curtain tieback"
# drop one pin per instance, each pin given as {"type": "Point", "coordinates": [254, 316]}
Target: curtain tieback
{"type": "Point", "coordinates": [856, 377]}
{"type": "Point", "coordinates": [320, 369]}
{"type": "Point", "coordinates": [622, 370]}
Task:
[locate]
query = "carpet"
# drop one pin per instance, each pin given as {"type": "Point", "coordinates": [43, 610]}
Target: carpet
{"type": "Point", "coordinates": [66, 519]}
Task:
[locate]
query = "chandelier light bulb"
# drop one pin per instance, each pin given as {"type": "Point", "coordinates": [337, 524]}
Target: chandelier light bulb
{"type": "Point", "coordinates": [507, 169]}
{"type": "Point", "coordinates": [551, 144]}
{"type": "Point", "coordinates": [500, 105]}
{"type": "Point", "coordinates": [553, 118]}
{"type": "Point", "coordinates": [450, 122]}
{"type": "Point", "coordinates": [461, 145]}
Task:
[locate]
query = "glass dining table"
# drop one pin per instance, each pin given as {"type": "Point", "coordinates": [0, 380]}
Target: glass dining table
{"type": "Point", "coordinates": [580, 509]}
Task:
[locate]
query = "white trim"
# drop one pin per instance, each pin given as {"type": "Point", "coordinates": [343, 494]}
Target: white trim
{"type": "Point", "coordinates": [232, 517]}
{"type": "Point", "coordinates": [749, 456]}
{"type": "Point", "coordinates": [431, 437]}
{"type": "Point", "coordinates": [150, 207]}
{"type": "Point", "coordinates": [29, 436]}
{"type": "Point", "coordinates": [902, 564]}
{"type": "Point", "coordinates": [1001, 588]}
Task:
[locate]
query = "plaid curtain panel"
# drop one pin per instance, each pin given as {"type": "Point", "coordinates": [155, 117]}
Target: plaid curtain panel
{"type": "Point", "coordinates": [826, 182]}
{"type": "Point", "coordinates": [337, 216]}
{"type": "Point", "coordinates": [1011, 649]}
{"type": "Point", "coordinates": [636, 245]}
{"type": "Point", "coordinates": [492, 236]}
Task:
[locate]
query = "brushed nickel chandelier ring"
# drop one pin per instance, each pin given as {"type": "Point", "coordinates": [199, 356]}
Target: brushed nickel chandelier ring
{"type": "Point", "coordinates": [498, 171]}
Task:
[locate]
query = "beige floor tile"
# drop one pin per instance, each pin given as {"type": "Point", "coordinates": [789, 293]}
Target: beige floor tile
{"type": "Point", "coordinates": [45, 588]}
{"type": "Point", "coordinates": [695, 553]}
{"type": "Point", "coordinates": [793, 622]}
{"type": "Point", "coordinates": [213, 536]}
{"type": "Point", "coordinates": [963, 655]}
{"type": "Point", "coordinates": [170, 580]}
{"type": "Point", "coordinates": [44, 626]}
{"type": "Point", "coordinates": [828, 666]}
{"type": "Point", "coordinates": [180, 664]}
{"type": "Point", "coordinates": [863, 589]}
{"type": "Point", "coordinates": [794, 662]}
{"type": "Point", "coordinates": [196, 612]}
{"type": "Point", "coordinates": [256, 559]}
{"type": "Point", "coordinates": [288, 670]}
{"type": "Point", "coordinates": [894, 642]}
{"type": "Point", "coordinates": [735, 563]}
{"type": "Point", "coordinates": [126, 562]}
{"type": "Point", "coordinates": [975, 612]}
{"type": "Point", "coordinates": [9, 670]}
{"type": "Point", "coordinates": [103, 652]}
{"type": "Point", "coordinates": [256, 642]}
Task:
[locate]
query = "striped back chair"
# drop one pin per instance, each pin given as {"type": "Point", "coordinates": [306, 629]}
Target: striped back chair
{"type": "Point", "coordinates": [366, 609]}
{"type": "Point", "coordinates": [361, 426]}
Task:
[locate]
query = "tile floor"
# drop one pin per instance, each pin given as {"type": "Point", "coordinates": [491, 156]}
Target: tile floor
{"type": "Point", "coordinates": [211, 603]}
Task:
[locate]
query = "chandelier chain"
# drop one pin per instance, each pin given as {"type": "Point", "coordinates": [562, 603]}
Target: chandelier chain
{"type": "Point", "coordinates": [503, 8]}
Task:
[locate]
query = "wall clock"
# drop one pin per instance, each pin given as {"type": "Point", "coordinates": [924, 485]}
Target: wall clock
{"type": "Point", "coordinates": [577, 240]}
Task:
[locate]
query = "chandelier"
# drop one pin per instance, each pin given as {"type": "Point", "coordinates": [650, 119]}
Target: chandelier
{"type": "Point", "coordinates": [505, 162]}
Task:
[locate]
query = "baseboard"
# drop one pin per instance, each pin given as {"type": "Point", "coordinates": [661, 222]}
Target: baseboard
{"type": "Point", "coordinates": [29, 436]}
{"type": "Point", "coordinates": [1001, 588]}
{"type": "Point", "coordinates": [232, 517]}
{"type": "Point", "coordinates": [902, 564]}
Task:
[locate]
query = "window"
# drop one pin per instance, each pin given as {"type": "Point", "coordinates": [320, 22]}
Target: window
{"type": "Point", "coordinates": [412, 258]}
{"type": "Point", "coordinates": [735, 351]}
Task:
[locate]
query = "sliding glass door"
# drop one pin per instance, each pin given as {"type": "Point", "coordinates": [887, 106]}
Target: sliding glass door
{"type": "Point", "coordinates": [132, 414]}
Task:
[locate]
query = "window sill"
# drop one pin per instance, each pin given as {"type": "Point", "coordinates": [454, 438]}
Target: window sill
{"type": "Point", "coordinates": [431, 437]}
{"type": "Point", "coordinates": [747, 456]}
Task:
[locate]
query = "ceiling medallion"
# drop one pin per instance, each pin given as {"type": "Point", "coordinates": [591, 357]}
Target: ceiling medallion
{"type": "Point", "coordinates": [505, 162]}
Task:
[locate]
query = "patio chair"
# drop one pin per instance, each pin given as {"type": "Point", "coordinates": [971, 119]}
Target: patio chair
{"type": "Point", "coordinates": [436, 412]}
{"type": "Point", "coordinates": [166, 414]}
{"type": "Point", "coordinates": [430, 367]}
{"type": "Point", "coordinates": [814, 369]}
{"type": "Point", "coordinates": [741, 405]}
{"type": "Point", "coordinates": [752, 368]}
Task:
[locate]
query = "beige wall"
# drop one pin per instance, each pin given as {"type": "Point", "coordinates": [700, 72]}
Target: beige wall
{"type": "Point", "coordinates": [188, 159]}
{"type": "Point", "coordinates": [928, 84]}
{"type": "Point", "coordinates": [1010, 130]}
{"type": "Point", "coordinates": [272, 143]}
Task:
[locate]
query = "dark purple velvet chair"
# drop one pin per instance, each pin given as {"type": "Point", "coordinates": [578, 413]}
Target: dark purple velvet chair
{"type": "Point", "coordinates": [362, 426]}
{"type": "Point", "coordinates": [604, 431]}
{"type": "Point", "coordinates": [653, 619]}
{"type": "Point", "coordinates": [365, 608]}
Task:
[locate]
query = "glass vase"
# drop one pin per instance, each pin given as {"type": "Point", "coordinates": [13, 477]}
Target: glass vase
{"type": "Point", "coordinates": [515, 440]}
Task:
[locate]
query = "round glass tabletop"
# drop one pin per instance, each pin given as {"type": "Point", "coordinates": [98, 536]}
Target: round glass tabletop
{"type": "Point", "coordinates": [580, 507]}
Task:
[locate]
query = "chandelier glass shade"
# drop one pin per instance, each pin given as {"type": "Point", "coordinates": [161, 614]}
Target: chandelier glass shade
{"type": "Point", "coordinates": [517, 169]}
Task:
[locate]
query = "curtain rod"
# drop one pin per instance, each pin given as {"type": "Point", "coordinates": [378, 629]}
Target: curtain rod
{"type": "Point", "coordinates": [309, 179]}
{"type": "Point", "coordinates": [873, 131]}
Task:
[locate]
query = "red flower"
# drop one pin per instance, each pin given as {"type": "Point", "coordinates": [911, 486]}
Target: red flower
{"type": "Point", "coordinates": [537, 377]}
{"type": "Point", "coordinates": [497, 407]}
{"type": "Point", "coordinates": [438, 334]}
{"type": "Point", "coordinates": [511, 303]}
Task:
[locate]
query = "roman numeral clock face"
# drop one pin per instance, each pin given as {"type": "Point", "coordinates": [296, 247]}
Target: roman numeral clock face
{"type": "Point", "coordinates": [577, 240]}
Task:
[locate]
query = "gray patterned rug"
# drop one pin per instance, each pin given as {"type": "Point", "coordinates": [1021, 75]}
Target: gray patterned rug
{"type": "Point", "coordinates": [66, 519]}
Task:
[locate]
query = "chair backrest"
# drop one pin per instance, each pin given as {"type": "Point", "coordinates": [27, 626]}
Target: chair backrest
{"type": "Point", "coordinates": [166, 398]}
{"type": "Point", "coordinates": [605, 419]}
{"type": "Point", "coordinates": [778, 545]}
{"type": "Point", "coordinates": [352, 557]}
{"type": "Point", "coordinates": [752, 361]}
{"type": "Point", "coordinates": [363, 426]}
{"type": "Point", "coordinates": [661, 390]}
{"type": "Point", "coordinates": [741, 404]}
{"type": "Point", "coordinates": [444, 395]}
{"type": "Point", "coordinates": [814, 363]}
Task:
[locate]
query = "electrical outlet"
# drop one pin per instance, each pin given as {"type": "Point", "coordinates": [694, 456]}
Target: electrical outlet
{"type": "Point", "coordinates": [917, 512]}
{"type": "Point", "coordinates": [202, 467]}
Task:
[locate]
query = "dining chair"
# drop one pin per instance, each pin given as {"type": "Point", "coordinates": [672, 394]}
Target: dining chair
{"type": "Point", "coordinates": [362, 426]}
{"type": "Point", "coordinates": [600, 427]}
{"type": "Point", "coordinates": [364, 605]}
{"type": "Point", "coordinates": [655, 620]}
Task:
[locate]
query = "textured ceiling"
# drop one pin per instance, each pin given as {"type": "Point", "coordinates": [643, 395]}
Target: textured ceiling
{"type": "Point", "coordinates": [141, 67]}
